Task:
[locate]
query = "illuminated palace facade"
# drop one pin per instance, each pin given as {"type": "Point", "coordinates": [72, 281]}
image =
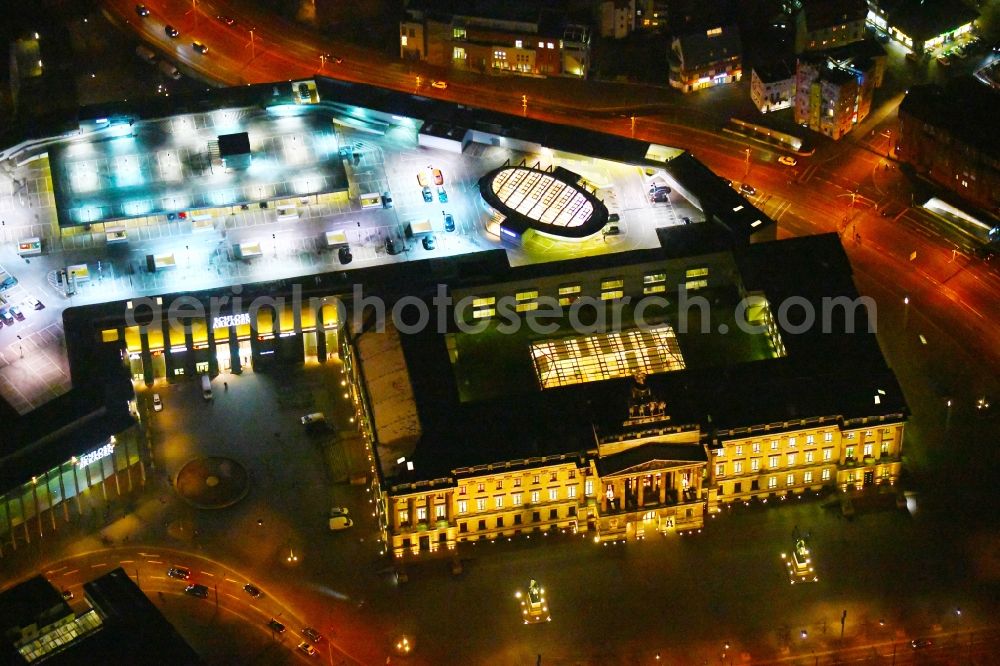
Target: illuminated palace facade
{"type": "Point", "coordinates": [624, 433]}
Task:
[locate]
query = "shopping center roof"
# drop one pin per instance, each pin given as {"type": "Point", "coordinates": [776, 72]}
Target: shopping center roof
{"type": "Point", "coordinates": [147, 167]}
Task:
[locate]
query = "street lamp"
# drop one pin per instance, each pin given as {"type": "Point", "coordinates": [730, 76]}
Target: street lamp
{"type": "Point", "coordinates": [906, 311]}
{"type": "Point", "coordinates": [524, 104]}
{"type": "Point", "coordinates": [632, 118]}
{"type": "Point", "coordinates": [747, 172]}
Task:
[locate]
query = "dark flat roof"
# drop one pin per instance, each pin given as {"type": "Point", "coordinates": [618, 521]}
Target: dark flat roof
{"type": "Point", "coordinates": [964, 108]}
{"type": "Point", "coordinates": [700, 50]}
{"type": "Point", "coordinates": [828, 13]}
{"type": "Point", "coordinates": [924, 19]}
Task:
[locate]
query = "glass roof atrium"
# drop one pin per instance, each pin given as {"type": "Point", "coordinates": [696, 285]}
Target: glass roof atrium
{"type": "Point", "coordinates": [606, 356]}
{"type": "Point", "coordinates": [173, 164]}
{"type": "Point", "coordinates": [538, 196]}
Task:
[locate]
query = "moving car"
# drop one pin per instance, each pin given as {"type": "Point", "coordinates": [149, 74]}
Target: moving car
{"type": "Point", "coordinates": [171, 31]}
{"type": "Point", "coordinates": [442, 195]}
{"type": "Point", "coordinates": [747, 189]}
{"type": "Point", "coordinates": [157, 403]}
{"type": "Point", "coordinates": [428, 242]}
{"type": "Point", "coordinates": [197, 590]}
{"type": "Point", "coordinates": [199, 47]}
{"type": "Point", "coordinates": [308, 649]}
{"type": "Point", "coordinates": [181, 573]}
{"type": "Point", "coordinates": [340, 521]}
{"type": "Point", "coordinates": [276, 626]}
{"type": "Point", "coordinates": [438, 176]}
{"type": "Point", "coordinates": [312, 634]}
{"type": "Point", "coordinates": [428, 196]}
{"type": "Point", "coordinates": [253, 590]}
{"type": "Point", "coordinates": [449, 222]}
{"type": "Point", "coordinates": [228, 20]}
{"type": "Point", "coordinates": [440, 85]}
{"type": "Point", "coordinates": [787, 161]}
{"type": "Point", "coordinates": [918, 643]}
{"type": "Point", "coordinates": [142, 10]}
{"type": "Point", "coordinates": [315, 417]}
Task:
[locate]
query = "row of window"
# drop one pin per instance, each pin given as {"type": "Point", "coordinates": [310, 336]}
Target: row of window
{"type": "Point", "coordinates": [611, 288]}
{"type": "Point", "coordinates": [792, 459]}
{"type": "Point", "coordinates": [499, 502]}
{"type": "Point", "coordinates": [536, 517]}
{"type": "Point", "coordinates": [535, 480]}
{"type": "Point", "coordinates": [809, 439]}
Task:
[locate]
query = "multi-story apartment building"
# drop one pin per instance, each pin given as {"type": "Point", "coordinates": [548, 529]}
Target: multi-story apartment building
{"type": "Point", "coordinates": [516, 38]}
{"type": "Point", "coordinates": [834, 89]}
{"type": "Point", "coordinates": [651, 14]}
{"type": "Point", "coordinates": [616, 18]}
{"type": "Point", "coordinates": [706, 58]}
{"type": "Point", "coordinates": [946, 134]}
{"type": "Point", "coordinates": [922, 25]}
{"type": "Point", "coordinates": [772, 86]}
{"type": "Point", "coordinates": [827, 24]}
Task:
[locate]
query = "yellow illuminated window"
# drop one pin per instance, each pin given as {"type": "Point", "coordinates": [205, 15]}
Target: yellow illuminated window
{"type": "Point", "coordinates": [484, 300]}
{"type": "Point", "coordinates": [402, 40]}
{"type": "Point", "coordinates": [612, 283]}
{"type": "Point", "coordinates": [485, 312]}
{"type": "Point", "coordinates": [525, 307]}
{"type": "Point", "coordinates": [714, 31]}
{"type": "Point", "coordinates": [109, 335]}
{"type": "Point", "coordinates": [655, 289]}
{"type": "Point", "coordinates": [526, 295]}
{"type": "Point", "coordinates": [458, 53]}
{"type": "Point", "coordinates": [691, 285]}
{"type": "Point", "coordinates": [611, 295]}
{"type": "Point", "coordinates": [458, 33]}
{"type": "Point", "coordinates": [653, 278]}
{"type": "Point", "coordinates": [696, 272]}
{"type": "Point", "coordinates": [569, 289]}
{"type": "Point", "coordinates": [567, 300]}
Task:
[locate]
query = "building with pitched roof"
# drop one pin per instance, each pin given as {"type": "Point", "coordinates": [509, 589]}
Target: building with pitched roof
{"type": "Point", "coordinates": [705, 58]}
{"type": "Point", "coordinates": [827, 24]}
{"type": "Point", "coordinates": [516, 37]}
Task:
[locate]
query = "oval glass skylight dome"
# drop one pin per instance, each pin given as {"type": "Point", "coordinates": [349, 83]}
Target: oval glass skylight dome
{"type": "Point", "coordinates": [550, 202]}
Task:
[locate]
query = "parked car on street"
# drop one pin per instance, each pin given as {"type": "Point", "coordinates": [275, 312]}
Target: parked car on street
{"type": "Point", "coordinates": [157, 403]}
{"type": "Point", "coordinates": [16, 311]}
{"type": "Point", "coordinates": [438, 176]}
{"type": "Point", "coordinates": [428, 195]}
{"type": "Point", "coordinates": [442, 195]}
{"type": "Point", "coordinates": [449, 222]}
{"type": "Point", "coordinates": [747, 189]}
